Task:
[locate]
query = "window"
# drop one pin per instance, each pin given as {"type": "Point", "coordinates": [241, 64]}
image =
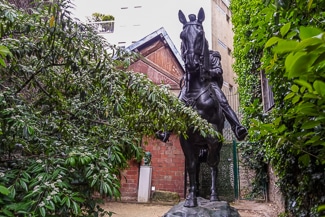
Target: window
{"type": "Point", "coordinates": [121, 44]}
{"type": "Point", "coordinates": [220, 10]}
{"type": "Point", "coordinates": [223, 45]}
{"type": "Point", "coordinates": [227, 18]}
{"type": "Point", "coordinates": [226, 2]}
{"type": "Point", "coordinates": [267, 94]}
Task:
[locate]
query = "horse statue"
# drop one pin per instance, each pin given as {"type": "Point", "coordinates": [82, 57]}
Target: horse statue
{"type": "Point", "coordinates": [201, 90]}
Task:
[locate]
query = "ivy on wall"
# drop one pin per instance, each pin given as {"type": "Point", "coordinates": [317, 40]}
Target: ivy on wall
{"type": "Point", "coordinates": [285, 39]}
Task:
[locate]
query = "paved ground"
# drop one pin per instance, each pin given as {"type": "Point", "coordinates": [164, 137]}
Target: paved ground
{"type": "Point", "coordinates": [245, 208]}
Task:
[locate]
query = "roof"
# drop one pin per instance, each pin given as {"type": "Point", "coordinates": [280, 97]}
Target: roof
{"type": "Point", "coordinates": [160, 60]}
{"type": "Point", "coordinates": [157, 35]}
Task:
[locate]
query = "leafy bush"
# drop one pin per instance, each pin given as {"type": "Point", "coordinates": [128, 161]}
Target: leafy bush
{"type": "Point", "coordinates": [71, 115]}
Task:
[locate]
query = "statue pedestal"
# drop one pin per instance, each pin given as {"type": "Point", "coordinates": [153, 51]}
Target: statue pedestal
{"type": "Point", "coordinates": [144, 184]}
{"type": "Point", "coordinates": [205, 208]}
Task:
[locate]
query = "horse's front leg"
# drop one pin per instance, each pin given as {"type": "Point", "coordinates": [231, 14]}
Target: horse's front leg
{"type": "Point", "coordinates": [191, 199]}
{"type": "Point", "coordinates": [191, 157]}
{"type": "Point", "coordinates": [213, 161]}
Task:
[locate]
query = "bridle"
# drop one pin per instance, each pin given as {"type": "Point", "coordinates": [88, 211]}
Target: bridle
{"type": "Point", "coordinates": [204, 48]}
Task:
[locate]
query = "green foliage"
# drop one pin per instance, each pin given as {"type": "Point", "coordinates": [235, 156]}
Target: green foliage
{"type": "Point", "coordinates": [96, 17]}
{"type": "Point", "coordinates": [249, 39]}
{"type": "Point", "coordinates": [71, 115]}
{"type": "Point", "coordinates": [287, 40]}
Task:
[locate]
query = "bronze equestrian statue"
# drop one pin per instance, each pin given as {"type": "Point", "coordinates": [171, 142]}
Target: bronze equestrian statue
{"type": "Point", "coordinates": [202, 91]}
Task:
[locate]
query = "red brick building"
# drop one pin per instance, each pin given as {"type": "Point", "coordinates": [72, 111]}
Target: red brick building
{"type": "Point", "coordinates": [162, 63]}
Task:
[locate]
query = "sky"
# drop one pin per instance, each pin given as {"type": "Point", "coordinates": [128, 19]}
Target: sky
{"type": "Point", "coordinates": [154, 15]}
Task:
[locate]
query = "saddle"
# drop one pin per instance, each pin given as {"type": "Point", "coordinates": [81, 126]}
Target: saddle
{"type": "Point", "coordinates": [191, 101]}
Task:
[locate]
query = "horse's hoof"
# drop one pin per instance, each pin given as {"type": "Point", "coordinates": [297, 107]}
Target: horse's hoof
{"type": "Point", "coordinates": [214, 198]}
{"type": "Point", "coordinates": [190, 202]}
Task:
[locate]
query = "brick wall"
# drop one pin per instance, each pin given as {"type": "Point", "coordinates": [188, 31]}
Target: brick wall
{"type": "Point", "coordinates": [130, 181]}
{"type": "Point", "coordinates": [168, 169]}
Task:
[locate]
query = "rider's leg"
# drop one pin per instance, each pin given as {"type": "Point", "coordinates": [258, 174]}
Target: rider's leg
{"type": "Point", "coordinates": [239, 131]}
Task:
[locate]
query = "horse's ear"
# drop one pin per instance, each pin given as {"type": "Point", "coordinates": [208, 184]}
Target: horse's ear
{"type": "Point", "coordinates": [201, 15]}
{"type": "Point", "coordinates": [182, 17]}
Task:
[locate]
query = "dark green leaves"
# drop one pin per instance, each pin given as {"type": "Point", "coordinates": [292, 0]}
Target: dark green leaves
{"type": "Point", "coordinates": [70, 114]}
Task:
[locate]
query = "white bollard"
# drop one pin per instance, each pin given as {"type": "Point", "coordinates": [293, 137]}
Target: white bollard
{"type": "Point", "coordinates": [144, 184]}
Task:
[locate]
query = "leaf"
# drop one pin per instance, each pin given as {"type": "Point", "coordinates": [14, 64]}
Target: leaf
{"type": "Point", "coordinates": [304, 159]}
{"type": "Point", "coordinates": [30, 130]}
{"type": "Point", "coordinates": [309, 42]}
{"type": "Point", "coordinates": [320, 59]}
{"type": "Point", "coordinates": [4, 190]}
{"type": "Point", "coordinates": [295, 88]}
{"type": "Point", "coordinates": [310, 96]}
{"type": "Point", "coordinates": [23, 185]}
{"type": "Point", "coordinates": [308, 32]}
{"type": "Point", "coordinates": [304, 83]}
{"type": "Point", "coordinates": [306, 108]}
{"type": "Point", "coordinates": [42, 211]}
{"type": "Point", "coordinates": [52, 21]}
{"type": "Point", "coordinates": [320, 87]}
{"type": "Point", "coordinates": [301, 65]}
{"type": "Point", "coordinates": [296, 99]}
{"type": "Point", "coordinates": [68, 202]}
{"type": "Point", "coordinates": [282, 128]}
{"type": "Point", "coordinates": [284, 29]}
{"type": "Point", "coordinates": [321, 208]}
{"type": "Point", "coordinates": [313, 140]}
{"type": "Point", "coordinates": [12, 190]}
{"type": "Point", "coordinates": [2, 62]}
{"type": "Point", "coordinates": [7, 212]}
{"type": "Point", "coordinates": [4, 51]}
{"type": "Point", "coordinates": [289, 96]}
{"type": "Point", "coordinates": [78, 199]}
{"type": "Point", "coordinates": [76, 208]}
{"type": "Point", "coordinates": [285, 46]}
{"type": "Point", "coordinates": [310, 124]}
{"type": "Point", "coordinates": [272, 41]}
{"type": "Point", "coordinates": [10, 15]}
{"type": "Point", "coordinates": [310, 2]}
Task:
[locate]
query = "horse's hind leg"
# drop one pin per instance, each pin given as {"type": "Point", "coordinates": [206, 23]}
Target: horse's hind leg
{"type": "Point", "coordinates": [214, 175]}
{"type": "Point", "coordinates": [198, 179]}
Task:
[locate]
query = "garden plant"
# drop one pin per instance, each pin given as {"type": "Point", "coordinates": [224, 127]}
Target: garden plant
{"type": "Point", "coordinates": [71, 114]}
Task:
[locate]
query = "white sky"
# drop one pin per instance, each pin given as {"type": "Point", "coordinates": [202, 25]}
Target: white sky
{"type": "Point", "coordinates": [153, 15]}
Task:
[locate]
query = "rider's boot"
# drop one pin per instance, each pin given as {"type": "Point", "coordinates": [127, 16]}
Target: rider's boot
{"type": "Point", "coordinates": [163, 136]}
{"type": "Point", "coordinates": [239, 131]}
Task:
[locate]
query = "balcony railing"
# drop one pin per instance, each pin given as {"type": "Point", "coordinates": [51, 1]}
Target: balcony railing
{"type": "Point", "coordinates": [103, 26]}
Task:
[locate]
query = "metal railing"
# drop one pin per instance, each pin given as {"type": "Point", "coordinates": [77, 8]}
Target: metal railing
{"type": "Point", "coordinates": [103, 26]}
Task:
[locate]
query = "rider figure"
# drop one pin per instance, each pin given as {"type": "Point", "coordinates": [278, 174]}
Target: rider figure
{"type": "Point", "coordinates": [216, 83]}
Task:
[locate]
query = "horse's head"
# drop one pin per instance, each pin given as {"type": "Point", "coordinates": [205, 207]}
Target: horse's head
{"type": "Point", "coordinates": [194, 46]}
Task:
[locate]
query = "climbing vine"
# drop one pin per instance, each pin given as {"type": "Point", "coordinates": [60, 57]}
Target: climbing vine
{"type": "Point", "coordinates": [285, 40]}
